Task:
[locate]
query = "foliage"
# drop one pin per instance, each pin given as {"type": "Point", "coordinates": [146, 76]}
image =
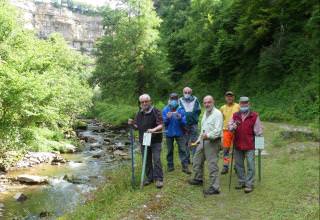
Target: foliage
{"type": "Point", "coordinates": [130, 60]}
{"type": "Point", "coordinates": [267, 50]}
{"type": "Point", "coordinates": [43, 83]}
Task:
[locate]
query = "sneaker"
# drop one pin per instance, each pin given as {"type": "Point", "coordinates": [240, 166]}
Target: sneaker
{"type": "Point", "coordinates": [147, 182]}
{"type": "Point", "coordinates": [211, 191]}
{"type": "Point", "coordinates": [159, 184]}
{"type": "Point", "coordinates": [170, 169]}
{"type": "Point", "coordinates": [186, 170]}
{"type": "Point", "coordinates": [195, 182]}
{"type": "Point", "coordinates": [248, 189]}
{"type": "Point", "coordinates": [225, 170]}
{"type": "Point", "coordinates": [240, 186]}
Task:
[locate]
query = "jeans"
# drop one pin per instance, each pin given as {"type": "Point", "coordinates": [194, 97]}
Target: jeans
{"type": "Point", "coordinates": [181, 148]}
{"type": "Point", "coordinates": [209, 152]}
{"type": "Point", "coordinates": [245, 178]}
{"type": "Point", "coordinates": [153, 165]}
{"type": "Point", "coordinates": [191, 135]}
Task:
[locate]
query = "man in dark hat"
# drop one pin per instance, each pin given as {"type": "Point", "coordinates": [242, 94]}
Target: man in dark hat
{"type": "Point", "coordinates": [174, 120]}
{"type": "Point", "coordinates": [227, 111]}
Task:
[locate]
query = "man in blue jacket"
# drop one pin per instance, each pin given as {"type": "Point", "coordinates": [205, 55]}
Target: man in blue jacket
{"type": "Point", "coordinates": [174, 120]}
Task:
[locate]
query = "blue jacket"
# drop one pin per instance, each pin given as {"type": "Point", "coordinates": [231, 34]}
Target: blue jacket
{"type": "Point", "coordinates": [173, 125]}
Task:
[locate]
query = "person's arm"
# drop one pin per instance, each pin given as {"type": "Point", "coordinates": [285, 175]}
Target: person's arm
{"type": "Point", "coordinates": [198, 107]}
{"type": "Point", "coordinates": [166, 120]}
{"type": "Point", "coordinates": [133, 122]}
{"type": "Point", "coordinates": [258, 129]}
{"type": "Point", "coordinates": [215, 127]}
{"type": "Point", "coordinates": [182, 119]}
{"type": "Point", "coordinates": [158, 122]}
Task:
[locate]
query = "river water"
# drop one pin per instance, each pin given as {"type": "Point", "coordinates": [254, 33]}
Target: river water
{"type": "Point", "coordinates": [61, 196]}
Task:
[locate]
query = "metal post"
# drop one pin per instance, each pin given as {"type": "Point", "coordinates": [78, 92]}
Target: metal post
{"type": "Point", "coordinates": [133, 179]}
{"type": "Point", "coordinates": [143, 166]}
{"type": "Point", "coordinates": [259, 164]}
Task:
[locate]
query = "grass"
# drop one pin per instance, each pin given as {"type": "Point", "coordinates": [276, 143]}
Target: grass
{"type": "Point", "coordinates": [289, 190]}
{"type": "Point", "coordinates": [112, 113]}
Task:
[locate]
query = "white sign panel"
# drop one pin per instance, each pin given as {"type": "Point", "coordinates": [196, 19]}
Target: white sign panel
{"type": "Point", "coordinates": [147, 139]}
{"type": "Point", "coordinates": [259, 142]}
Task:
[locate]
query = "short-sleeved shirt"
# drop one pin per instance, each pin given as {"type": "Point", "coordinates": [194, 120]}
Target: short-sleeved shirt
{"type": "Point", "coordinates": [227, 112]}
{"type": "Point", "coordinates": [148, 120]}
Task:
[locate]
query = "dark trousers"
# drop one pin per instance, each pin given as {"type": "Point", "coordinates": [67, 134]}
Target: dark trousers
{"type": "Point", "coordinates": [181, 148]}
{"type": "Point", "coordinates": [153, 165]}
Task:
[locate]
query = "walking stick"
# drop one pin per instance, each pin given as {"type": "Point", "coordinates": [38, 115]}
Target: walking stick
{"type": "Point", "coordinates": [133, 180]}
{"type": "Point", "coordinates": [232, 153]}
{"type": "Point", "coordinates": [203, 188]}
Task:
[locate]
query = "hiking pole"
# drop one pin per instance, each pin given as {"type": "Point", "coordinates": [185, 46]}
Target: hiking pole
{"type": "Point", "coordinates": [146, 143]}
{"type": "Point", "coordinates": [232, 154]}
{"type": "Point", "coordinates": [203, 174]}
{"type": "Point", "coordinates": [133, 180]}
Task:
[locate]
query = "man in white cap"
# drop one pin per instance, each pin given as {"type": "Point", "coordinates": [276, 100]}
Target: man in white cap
{"type": "Point", "coordinates": [246, 125]}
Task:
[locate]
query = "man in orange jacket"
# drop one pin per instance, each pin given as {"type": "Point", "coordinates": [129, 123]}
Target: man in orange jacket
{"type": "Point", "coordinates": [227, 111]}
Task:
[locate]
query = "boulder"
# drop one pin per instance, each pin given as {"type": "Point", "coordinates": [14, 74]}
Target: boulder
{"type": "Point", "coordinates": [98, 154]}
{"type": "Point", "coordinates": [76, 180]}
{"type": "Point", "coordinates": [31, 179]}
{"type": "Point", "coordinates": [69, 148]}
{"type": "Point", "coordinates": [121, 154]}
{"type": "Point", "coordinates": [20, 197]}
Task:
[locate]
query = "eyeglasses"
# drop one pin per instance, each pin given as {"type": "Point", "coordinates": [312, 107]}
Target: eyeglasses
{"type": "Point", "coordinates": [187, 93]}
{"type": "Point", "coordinates": [142, 102]}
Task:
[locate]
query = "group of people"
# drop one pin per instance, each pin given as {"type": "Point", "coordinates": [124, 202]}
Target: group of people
{"type": "Point", "coordinates": [233, 125]}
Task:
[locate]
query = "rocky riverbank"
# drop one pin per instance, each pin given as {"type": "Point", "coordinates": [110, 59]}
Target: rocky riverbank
{"type": "Point", "coordinates": [65, 178]}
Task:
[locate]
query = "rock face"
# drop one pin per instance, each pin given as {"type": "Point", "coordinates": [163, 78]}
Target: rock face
{"type": "Point", "coordinates": [32, 180]}
{"type": "Point", "coordinates": [79, 30]}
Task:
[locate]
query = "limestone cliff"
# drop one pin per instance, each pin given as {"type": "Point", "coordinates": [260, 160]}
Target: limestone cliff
{"type": "Point", "coordinates": [79, 30]}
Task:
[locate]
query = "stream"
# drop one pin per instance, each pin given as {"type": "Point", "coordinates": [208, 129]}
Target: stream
{"type": "Point", "coordinates": [70, 183]}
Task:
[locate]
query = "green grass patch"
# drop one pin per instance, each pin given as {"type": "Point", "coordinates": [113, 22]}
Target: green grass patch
{"type": "Point", "coordinates": [289, 190]}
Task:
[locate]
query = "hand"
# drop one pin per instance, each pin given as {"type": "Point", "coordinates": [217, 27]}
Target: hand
{"type": "Point", "coordinates": [130, 121]}
{"type": "Point", "coordinates": [194, 144]}
{"type": "Point", "coordinates": [150, 130]}
{"type": "Point", "coordinates": [205, 136]}
{"type": "Point", "coordinates": [169, 114]}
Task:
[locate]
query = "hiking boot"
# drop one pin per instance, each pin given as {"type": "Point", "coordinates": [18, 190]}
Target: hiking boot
{"type": "Point", "coordinates": [211, 191]}
{"type": "Point", "coordinates": [186, 170]}
{"type": "Point", "coordinates": [170, 169]}
{"type": "Point", "coordinates": [225, 170]}
{"type": "Point", "coordinates": [248, 189]}
{"type": "Point", "coordinates": [159, 184]}
{"type": "Point", "coordinates": [240, 186]}
{"type": "Point", "coordinates": [147, 182]}
{"type": "Point", "coordinates": [195, 182]}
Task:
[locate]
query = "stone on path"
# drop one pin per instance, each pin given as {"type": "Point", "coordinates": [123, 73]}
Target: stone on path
{"type": "Point", "coordinates": [20, 197]}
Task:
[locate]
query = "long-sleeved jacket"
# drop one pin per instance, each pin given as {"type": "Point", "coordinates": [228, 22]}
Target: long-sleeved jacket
{"type": "Point", "coordinates": [174, 125]}
{"type": "Point", "coordinates": [212, 124]}
{"type": "Point", "coordinates": [192, 109]}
